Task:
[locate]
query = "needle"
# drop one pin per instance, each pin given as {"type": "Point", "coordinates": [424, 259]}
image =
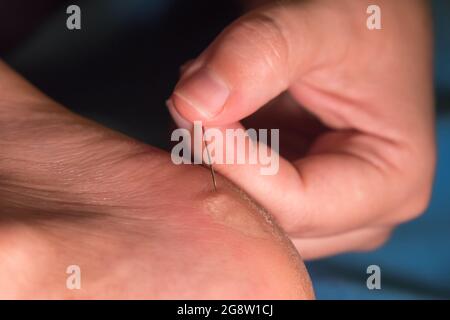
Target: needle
{"type": "Point", "coordinates": [213, 175]}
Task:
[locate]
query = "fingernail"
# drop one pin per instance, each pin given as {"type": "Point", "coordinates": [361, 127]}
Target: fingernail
{"type": "Point", "coordinates": [185, 66]}
{"type": "Point", "coordinates": [203, 91]}
{"type": "Point", "coordinates": [177, 117]}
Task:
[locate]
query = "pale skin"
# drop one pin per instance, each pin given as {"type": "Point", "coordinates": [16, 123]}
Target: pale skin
{"type": "Point", "coordinates": [359, 158]}
{"type": "Point", "coordinates": [75, 193]}
{"type": "Point", "coordinates": [355, 113]}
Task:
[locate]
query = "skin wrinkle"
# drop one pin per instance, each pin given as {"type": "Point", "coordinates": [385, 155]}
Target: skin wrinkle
{"type": "Point", "coordinates": [45, 209]}
{"type": "Point", "coordinates": [70, 181]}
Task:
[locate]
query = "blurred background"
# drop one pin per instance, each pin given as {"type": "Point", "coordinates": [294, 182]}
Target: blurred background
{"type": "Point", "coordinates": [122, 65]}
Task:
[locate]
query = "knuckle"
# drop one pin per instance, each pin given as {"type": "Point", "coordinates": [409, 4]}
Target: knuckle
{"type": "Point", "coordinates": [375, 241]}
{"type": "Point", "coordinates": [416, 182]}
{"type": "Point", "coordinates": [421, 200]}
{"type": "Point", "coordinates": [266, 34]}
{"type": "Point", "coordinates": [420, 195]}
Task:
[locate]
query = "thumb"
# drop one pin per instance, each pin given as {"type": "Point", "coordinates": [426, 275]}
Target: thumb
{"type": "Point", "coordinates": [250, 63]}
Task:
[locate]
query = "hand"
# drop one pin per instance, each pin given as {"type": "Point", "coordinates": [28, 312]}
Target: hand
{"type": "Point", "coordinates": [354, 108]}
{"type": "Point", "coordinates": [75, 193]}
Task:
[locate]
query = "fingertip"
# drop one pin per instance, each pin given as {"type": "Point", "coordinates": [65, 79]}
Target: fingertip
{"type": "Point", "coordinates": [179, 120]}
{"type": "Point", "coordinates": [202, 95]}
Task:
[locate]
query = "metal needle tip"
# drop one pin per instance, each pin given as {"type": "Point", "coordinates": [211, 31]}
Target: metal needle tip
{"type": "Point", "coordinates": [211, 168]}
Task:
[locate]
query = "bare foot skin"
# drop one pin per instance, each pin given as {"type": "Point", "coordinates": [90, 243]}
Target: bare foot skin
{"type": "Point", "coordinates": [75, 193]}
